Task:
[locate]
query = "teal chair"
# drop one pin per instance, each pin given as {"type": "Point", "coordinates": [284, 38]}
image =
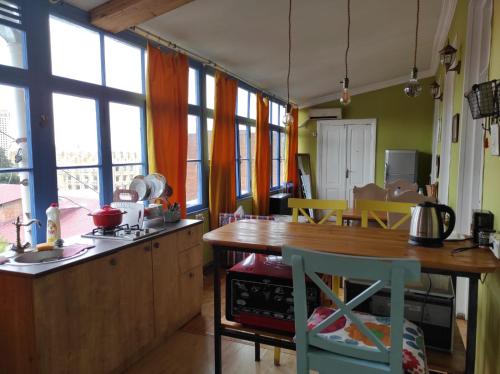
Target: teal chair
{"type": "Point", "coordinates": [340, 340]}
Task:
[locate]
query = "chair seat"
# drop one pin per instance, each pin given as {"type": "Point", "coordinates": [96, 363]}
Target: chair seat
{"type": "Point", "coordinates": [342, 330]}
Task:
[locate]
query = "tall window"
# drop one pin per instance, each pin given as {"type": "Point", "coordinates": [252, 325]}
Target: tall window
{"type": "Point", "coordinates": [278, 142]}
{"type": "Point", "coordinates": [98, 130]}
{"type": "Point", "coordinates": [245, 140]}
{"type": "Point", "coordinates": [194, 174]}
{"type": "Point", "coordinates": [15, 141]}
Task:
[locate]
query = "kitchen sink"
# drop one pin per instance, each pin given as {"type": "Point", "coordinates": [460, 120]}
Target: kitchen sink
{"type": "Point", "coordinates": [43, 257]}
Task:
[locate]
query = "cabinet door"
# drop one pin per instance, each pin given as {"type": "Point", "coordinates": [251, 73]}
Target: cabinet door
{"type": "Point", "coordinates": [190, 294]}
{"type": "Point", "coordinates": [166, 281]}
{"type": "Point", "coordinates": [93, 317]}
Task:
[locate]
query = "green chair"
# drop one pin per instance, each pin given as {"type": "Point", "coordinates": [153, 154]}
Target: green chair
{"type": "Point", "coordinates": [341, 340]}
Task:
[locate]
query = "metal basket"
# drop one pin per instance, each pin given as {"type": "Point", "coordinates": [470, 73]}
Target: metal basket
{"type": "Point", "coordinates": [483, 99]}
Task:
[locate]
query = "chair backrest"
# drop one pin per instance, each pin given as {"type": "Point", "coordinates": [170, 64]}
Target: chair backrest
{"type": "Point", "coordinates": [383, 271]}
{"type": "Point", "coordinates": [406, 197]}
{"type": "Point", "coordinates": [401, 185]}
{"type": "Point", "coordinates": [370, 207]}
{"type": "Point", "coordinates": [369, 192]}
{"type": "Point", "coordinates": [332, 207]}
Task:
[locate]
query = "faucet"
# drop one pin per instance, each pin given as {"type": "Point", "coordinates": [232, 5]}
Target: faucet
{"type": "Point", "coordinates": [18, 247]}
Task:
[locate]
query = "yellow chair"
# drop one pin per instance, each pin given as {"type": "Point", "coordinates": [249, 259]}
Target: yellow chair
{"type": "Point", "coordinates": [334, 207]}
{"type": "Point", "coordinates": [369, 207]}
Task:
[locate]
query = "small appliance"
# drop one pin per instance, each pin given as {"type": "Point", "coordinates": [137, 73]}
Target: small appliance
{"type": "Point", "coordinates": [482, 220]}
{"type": "Point", "coordinates": [259, 293]}
{"type": "Point", "coordinates": [122, 232]}
{"type": "Point", "coordinates": [427, 224]}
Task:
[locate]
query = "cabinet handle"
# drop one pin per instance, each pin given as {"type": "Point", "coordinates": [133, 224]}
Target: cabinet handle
{"type": "Point", "coordinates": [191, 274]}
{"type": "Point", "coordinates": [113, 262]}
{"type": "Point", "coordinates": [156, 245]}
{"type": "Point", "coordinates": [189, 232]}
{"type": "Point", "coordinates": [147, 248]}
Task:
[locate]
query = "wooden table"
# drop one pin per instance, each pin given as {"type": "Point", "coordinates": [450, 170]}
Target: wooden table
{"type": "Point", "coordinates": [269, 237]}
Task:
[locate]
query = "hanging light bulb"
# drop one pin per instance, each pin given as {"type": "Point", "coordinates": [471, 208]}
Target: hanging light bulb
{"type": "Point", "coordinates": [287, 119]}
{"type": "Point", "coordinates": [345, 98]}
{"type": "Point", "coordinates": [413, 87]}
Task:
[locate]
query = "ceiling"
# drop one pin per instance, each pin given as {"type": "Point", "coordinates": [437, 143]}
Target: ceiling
{"type": "Point", "coordinates": [249, 38]}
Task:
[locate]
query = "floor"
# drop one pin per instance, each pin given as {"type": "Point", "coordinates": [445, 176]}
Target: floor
{"type": "Point", "coordinates": [190, 350]}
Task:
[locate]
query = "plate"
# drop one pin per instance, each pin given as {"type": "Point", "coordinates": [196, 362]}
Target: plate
{"type": "Point", "coordinates": [158, 183]}
{"type": "Point", "coordinates": [140, 185]}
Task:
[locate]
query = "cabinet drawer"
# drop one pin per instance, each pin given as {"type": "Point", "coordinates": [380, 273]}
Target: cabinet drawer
{"type": "Point", "coordinates": [189, 237]}
{"type": "Point", "coordinates": [191, 291]}
{"type": "Point", "coordinates": [190, 258]}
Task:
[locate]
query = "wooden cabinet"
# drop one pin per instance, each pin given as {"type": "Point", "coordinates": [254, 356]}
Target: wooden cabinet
{"type": "Point", "coordinates": [93, 317]}
{"type": "Point", "coordinates": [101, 315]}
{"type": "Point", "coordinates": [177, 279]}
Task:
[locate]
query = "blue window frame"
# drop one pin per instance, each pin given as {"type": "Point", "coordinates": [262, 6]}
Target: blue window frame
{"type": "Point", "coordinates": [278, 142]}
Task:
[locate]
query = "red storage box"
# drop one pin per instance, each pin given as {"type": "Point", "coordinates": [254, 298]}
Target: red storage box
{"type": "Point", "coordinates": [259, 293]}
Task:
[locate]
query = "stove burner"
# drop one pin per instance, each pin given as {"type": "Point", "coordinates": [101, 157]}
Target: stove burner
{"type": "Point", "coordinates": [123, 232]}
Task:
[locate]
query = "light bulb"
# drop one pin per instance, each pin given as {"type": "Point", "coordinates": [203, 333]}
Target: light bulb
{"type": "Point", "coordinates": [345, 97]}
{"type": "Point", "coordinates": [413, 87]}
{"type": "Point", "coordinates": [288, 117]}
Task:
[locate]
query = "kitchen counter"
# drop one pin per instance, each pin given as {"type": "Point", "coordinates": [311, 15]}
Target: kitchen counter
{"type": "Point", "coordinates": [102, 247]}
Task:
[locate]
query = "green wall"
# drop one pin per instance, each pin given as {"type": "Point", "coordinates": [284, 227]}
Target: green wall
{"type": "Point", "coordinates": [488, 334]}
{"type": "Point", "coordinates": [402, 123]}
{"type": "Point", "coordinates": [457, 35]}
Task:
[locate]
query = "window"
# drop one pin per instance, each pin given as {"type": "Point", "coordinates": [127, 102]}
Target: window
{"type": "Point", "coordinates": [126, 143]}
{"type": "Point", "coordinates": [77, 161]}
{"type": "Point", "coordinates": [11, 47]}
{"type": "Point", "coordinates": [278, 143]}
{"type": "Point", "coordinates": [123, 65]}
{"type": "Point", "coordinates": [210, 91]}
{"type": "Point", "coordinates": [194, 163]}
{"type": "Point", "coordinates": [245, 141]}
{"type": "Point", "coordinates": [75, 51]}
{"type": "Point", "coordinates": [15, 171]}
{"type": "Point", "coordinates": [195, 173]}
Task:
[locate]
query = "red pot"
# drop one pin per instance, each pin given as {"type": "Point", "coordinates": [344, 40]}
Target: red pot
{"type": "Point", "coordinates": [107, 217]}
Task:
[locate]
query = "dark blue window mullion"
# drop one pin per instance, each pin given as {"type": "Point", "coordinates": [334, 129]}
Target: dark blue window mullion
{"type": "Point", "coordinates": [105, 152]}
{"type": "Point", "coordinates": [237, 144]}
{"type": "Point", "coordinates": [44, 182]}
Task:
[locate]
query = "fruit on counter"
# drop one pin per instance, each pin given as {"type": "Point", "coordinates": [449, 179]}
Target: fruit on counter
{"type": "Point", "coordinates": [45, 246]}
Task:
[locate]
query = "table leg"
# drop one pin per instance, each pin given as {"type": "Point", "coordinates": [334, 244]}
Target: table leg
{"type": "Point", "coordinates": [257, 351]}
{"type": "Point", "coordinates": [470, 355]}
{"type": "Point", "coordinates": [217, 314]}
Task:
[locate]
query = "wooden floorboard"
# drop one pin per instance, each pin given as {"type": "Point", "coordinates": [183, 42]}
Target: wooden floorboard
{"type": "Point", "coordinates": [190, 350]}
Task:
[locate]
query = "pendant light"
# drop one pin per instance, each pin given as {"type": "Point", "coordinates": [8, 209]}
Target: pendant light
{"type": "Point", "coordinates": [413, 87]}
{"type": "Point", "coordinates": [345, 98]}
{"type": "Point", "coordinates": [288, 117]}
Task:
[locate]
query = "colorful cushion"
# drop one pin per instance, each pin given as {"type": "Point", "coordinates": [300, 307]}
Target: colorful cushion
{"type": "Point", "coordinates": [342, 330]}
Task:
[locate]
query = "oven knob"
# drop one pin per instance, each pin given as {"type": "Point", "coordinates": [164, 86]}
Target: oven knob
{"type": "Point", "coordinates": [146, 231]}
{"type": "Point", "coordinates": [137, 234]}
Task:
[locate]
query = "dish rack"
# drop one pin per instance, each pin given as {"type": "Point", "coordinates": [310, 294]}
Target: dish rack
{"type": "Point", "coordinates": [484, 100]}
{"type": "Point", "coordinates": [172, 216]}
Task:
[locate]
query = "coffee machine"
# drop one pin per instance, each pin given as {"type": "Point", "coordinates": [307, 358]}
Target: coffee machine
{"type": "Point", "coordinates": [482, 220]}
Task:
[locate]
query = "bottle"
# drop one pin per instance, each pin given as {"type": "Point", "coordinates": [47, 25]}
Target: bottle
{"type": "Point", "coordinates": [53, 223]}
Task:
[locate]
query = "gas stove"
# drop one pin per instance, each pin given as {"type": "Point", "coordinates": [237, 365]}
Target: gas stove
{"type": "Point", "coordinates": [122, 232]}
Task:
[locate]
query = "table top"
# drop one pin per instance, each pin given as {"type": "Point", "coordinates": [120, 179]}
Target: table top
{"type": "Point", "coordinates": [350, 240]}
{"type": "Point", "coordinates": [355, 215]}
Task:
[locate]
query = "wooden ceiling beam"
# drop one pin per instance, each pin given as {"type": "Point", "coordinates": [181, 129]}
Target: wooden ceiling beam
{"type": "Point", "coordinates": [118, 15]}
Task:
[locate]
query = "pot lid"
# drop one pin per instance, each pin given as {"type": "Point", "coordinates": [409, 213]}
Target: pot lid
{"type": "Point", "coordinates": [106, 210]}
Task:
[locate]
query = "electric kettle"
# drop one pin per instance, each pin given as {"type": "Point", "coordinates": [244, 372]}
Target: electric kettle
{"type": "Point", "coordinates": [427, 226]}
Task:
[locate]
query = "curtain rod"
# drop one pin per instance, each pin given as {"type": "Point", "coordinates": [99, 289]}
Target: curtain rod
{"type": "Point", "coordinates": [205, 61]}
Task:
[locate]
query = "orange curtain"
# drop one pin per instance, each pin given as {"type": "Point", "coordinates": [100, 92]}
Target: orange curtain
{"type": "Point", "coordinates": [167, 105]}
{"type": "Point", "coordinates": [262, 170]}
{"type": "Point", "coordinates": [222, 181]}
{"type": "Point", "coordinates": [292, 148]}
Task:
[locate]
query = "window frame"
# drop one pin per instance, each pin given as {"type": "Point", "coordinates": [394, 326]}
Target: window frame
{"type": "Point", "coordinates": [280, 130]}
